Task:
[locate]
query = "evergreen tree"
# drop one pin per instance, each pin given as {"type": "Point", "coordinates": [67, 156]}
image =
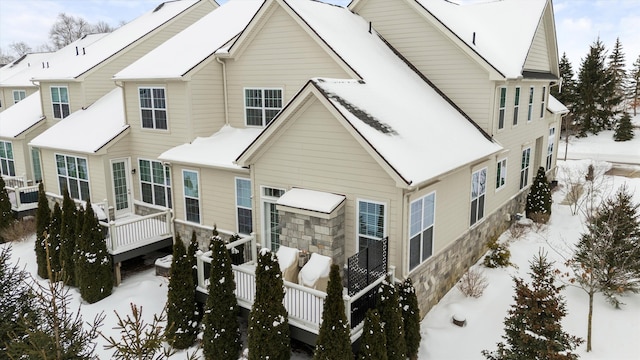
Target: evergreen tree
{"type": "Point", "coordinates": [391, 317]}
{"type": "Point", "coordinates": [618, 72]}
{"type": "Point", "coordinates": [43, 219]}
{"type": "Point", "coordinates": [68, 239]}
{"type": "Point", "coordinates": [16, 302]}
{"type": "Point", "coordinates": [634, 86]}
{"type": "Point", "coordinates": [268, 332]}
{"type": "Point", "coordinates": [411, 317]}
{"type": "Point", "coordinates": [6, 215]}
{"type": "Point", "coordinates": [334, 340]}
{"type": "Point", "coordinates": [533, 326]}
{"type": "Point", "coordinates": [193, 248]}
{"type": "Point", "coordinates": [54, 239]}
{"type": "Point", "coordinates": [538, 205]}
{"type": "Point", "coordinates": [566, 93]}
{"type": "Point", "coordinates": [624, 129]}
{"type": "Point", "coordinates": [94, 271]}
{"type": "Point", "coordinates": [54, 332]}
{"type": "Point", "coordinates": [595, 92]}
{"type": "Point", "coordinates": [221, 336]}
{"type": "Point", "coordinates": [373, 342]}
{"type": "Point", "coordinates": [182, 321]}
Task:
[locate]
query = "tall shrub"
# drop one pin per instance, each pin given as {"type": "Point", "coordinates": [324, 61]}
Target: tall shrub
{"type": "Point", "coordinates": [268, 332]}
{"type": "Point", "coordinates": [93, 263]}
{"type": "Point", "coordinates": [391, 317]}
{"type": "Point", "coordinates": [539, 198]}
{"type": "Point", "coordinates": [334, 340]}
{"type": "Point", "coordinates": [6, 215]}
{"type": "Point", "coordinates": [221, 336]}
{"type": "Point", "coordinates": [43, 219]}
{"type": "Point", "coordinates": [410, 317]}
{"type": "Point", "coordinates": [68, 239]}
{"type": "Point", "coordinates": [54, 239]}
{"type": "Point", "coordinates": [373, 343]}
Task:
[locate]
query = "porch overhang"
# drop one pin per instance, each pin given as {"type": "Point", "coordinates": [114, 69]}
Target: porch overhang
{"type": "Point", "coordinates": [311, 202]}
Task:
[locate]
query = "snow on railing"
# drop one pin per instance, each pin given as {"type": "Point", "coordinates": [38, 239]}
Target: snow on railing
{"type": "Point", "coordinates": [126, 234]}
{"type": "Point", "coordinates": [15, 181]}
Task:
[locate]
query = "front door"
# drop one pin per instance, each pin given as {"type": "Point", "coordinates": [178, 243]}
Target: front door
{"type": "Point", "coordinates": [121, 189]}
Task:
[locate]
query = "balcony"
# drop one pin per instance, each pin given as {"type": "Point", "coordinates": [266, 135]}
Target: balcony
{"type": "Point", "coordinates": [303, 304]}
{"type": "Point", "coordinates": [23, 197]}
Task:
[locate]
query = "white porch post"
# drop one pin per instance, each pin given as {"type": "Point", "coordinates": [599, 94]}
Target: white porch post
{"type": "Point", "coordinates": [347, 308]}
{"type": "Point", "coordinates": [200, 269]}
{"type": "Point", "coordinates": [113, 237]}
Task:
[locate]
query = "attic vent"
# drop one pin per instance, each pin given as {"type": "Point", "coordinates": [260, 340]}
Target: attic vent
{"type": "Point", "coordinates": [474, 38]}
{"type": "Point", "coordinates": [77, 51]}
{"type": "Point", "coordinates": [84, 52]}
{"type": "Point", "coordinates": [158, 7]}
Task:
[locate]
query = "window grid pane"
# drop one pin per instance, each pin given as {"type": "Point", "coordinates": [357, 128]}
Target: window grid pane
{"type": "Point", "coordinates": [153, 108]}
{"type": "Point", "coordinates": [155, 183]}
{"type": "Point", "coordinates": [516, 106]}
{"type": "Point", "coordinates": [262, 105]}
{"type": "Point", "coordinates": [60, 102]}
{"type": "Point", "coordinates": [371, 219]}
{"type": "Point", "coordinates": [7, 167]}
{"type": "Point", "coordinates": [191, 196]}
{"type": "Point", "coordinates": [422, 216]}
{"type": "Point", "coordinates": [73, 175]}
{"type": "Point", "coordinates": [478, 189]}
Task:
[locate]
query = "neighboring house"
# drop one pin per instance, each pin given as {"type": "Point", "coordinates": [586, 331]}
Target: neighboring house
{"type": "Point", "coordinates": [15, 78]}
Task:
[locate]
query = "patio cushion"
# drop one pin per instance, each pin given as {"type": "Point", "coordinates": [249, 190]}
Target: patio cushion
{"type": "Point", "coordinates": [288, 260]}
{"type": "Point", "coordinates": [315, 273]}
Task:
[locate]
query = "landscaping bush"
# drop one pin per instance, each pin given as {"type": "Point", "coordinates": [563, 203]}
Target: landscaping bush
{"type": "Point", "coordinates": [498, 255]}
{"type": "Point", "coordinates": [473, 283]}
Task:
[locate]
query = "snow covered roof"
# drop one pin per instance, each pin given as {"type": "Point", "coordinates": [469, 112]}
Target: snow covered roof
{"type": "Point", "coordinates": [504, 30]}
{"type": "Point", "coordinates": [556, 106]}
{"type": "Point", "coordinates": [406, 121]}
{"type": "Point", "coordinates": [19, 72]}
{"type": "Point", "coordinates": [311, 200]}
{"type": "Point", "coordinates": [194, 44]}
{"type": "Point", "coordinates": [70, 63]}
{"type": "Point", "coordinates": [217, 150]}
{"type": "Point", "coordinates": [91, 128]}
{"type": "Point", "coordinates": [21, 116]}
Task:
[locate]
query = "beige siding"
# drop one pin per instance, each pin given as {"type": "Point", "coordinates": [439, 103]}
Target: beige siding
{"type": "Point", "coordinates": [6, 95]}
{"type": "Point", "coordinates": [538, 57]}
{"type": "Point", "coordinates": [20, 163]}
{"type": "Point", "coordinates": [281, 55]}
{"type": "Point", "coordinates": [317, 153]}
{"type": "Point", "coordinates": [97, 176]}
{"type": "Point", "coordinates": [437, 57]}
{"type": "Point", "coordinates": [207, 99]}
{"type": "Point", "coordinates": [217, 195]}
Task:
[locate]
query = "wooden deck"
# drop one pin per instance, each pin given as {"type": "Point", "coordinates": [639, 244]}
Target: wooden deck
{"type": "Point", "coordinates": [304, 305]}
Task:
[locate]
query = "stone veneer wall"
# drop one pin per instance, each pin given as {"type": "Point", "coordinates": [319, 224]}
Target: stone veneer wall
{"type": "Point", "coordinates": [203, 235]}
{"type": "Point", "coordinates": [437, 276]}
{"type": "Point", "coordinates": [314, 234]}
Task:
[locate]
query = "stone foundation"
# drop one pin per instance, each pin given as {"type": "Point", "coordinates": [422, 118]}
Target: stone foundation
{"type": "Point", "coordinates": [437, 276]}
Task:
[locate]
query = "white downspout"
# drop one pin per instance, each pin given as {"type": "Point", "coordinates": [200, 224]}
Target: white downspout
{"type": "Point", "coordinates": [224, 90]}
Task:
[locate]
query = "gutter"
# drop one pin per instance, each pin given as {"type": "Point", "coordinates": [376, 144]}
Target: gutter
{"type": "Point", "coordinates": [224, 89]}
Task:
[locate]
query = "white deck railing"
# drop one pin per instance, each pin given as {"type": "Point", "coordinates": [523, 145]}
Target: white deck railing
{"type": "Point", "coordinates": [15, 181]}
{"type": "Point", "coordinates": [131, 233]}
{"type": "Point", "coordinates": [304, 305]}
{"type": "Point", "coordinates": [23, 197]}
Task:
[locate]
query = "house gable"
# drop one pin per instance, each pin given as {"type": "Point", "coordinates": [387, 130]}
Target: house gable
{"type": "Point", "coordinates": [542, 56]}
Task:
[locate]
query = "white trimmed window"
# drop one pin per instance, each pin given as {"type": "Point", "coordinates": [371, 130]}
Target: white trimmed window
{"type": "Point", "coordinates": [516, 106]}
{"type": "Point", "coordinates": [7, 166]}
{"type": "Point", "coordinates": [550, 147]}
{"type": "Point", "coordinates": [501, 173]}
{"type": "Point", "coordinates": [478, 190]}
{"type": "Point", "coordinates": [543, 102]}
{"type": "Point", "coordinates": [530, 110]}
{"type": "Point", "coordinates": [502, 109]}
{"type": "Point", "coordinates": [421, 222]}
{"type": "Point", "coordinates": [261, 105]}
{"type": "Point", "coordinates": [524, 168]}
{"type": "Point", "coordinates": [37, 165]}
{"type": "Point", "coordinates": [371, 222]}
{"type": "Point", "coordinates": [153, 107]}
{"type": "Point", "coordinates": [243, 206]}
{"type": "Point", "coordinates": [155, 183]}
{"type": "Point", "coordinates": [19, 95]}
{"type": "Point", "coordinates": [60, 101]}
{"type": "Point", "coordinates": [73, 175]}
{"type": "Point", "coordinates": [191, 195]}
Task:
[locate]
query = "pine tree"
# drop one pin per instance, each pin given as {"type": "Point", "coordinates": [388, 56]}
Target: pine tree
{"type": "Point", "coordinates": [634, 86]}
{"type": "Point", "coordinates": [533, 326]}
{"type": "Point", "coordinates": [54, 239]}
{"type": "Point", "coordinates": [68, 239]}
{"type": "Point", "coordinates": [411, 317]}
{"type": "Point", "coordinates": [54, 332]}
{"type": "Point", "coordinates": [94, 271]}
{"type": "Point", "coordinates": [268, 332]}
{"type": "Point", "coordinates": [538, 205]}
{"type": "Point", "coordinates": [193, 249]}
{"type": "Point", "coordinates": [182, 322]}
{"type": "Point", "coordinates": [43, 219]}
{"type": "Point", "coordinates": [373, 342]}
{"type": "Point", "coordinates": [334, 340]}
{"type": "Point", "coordinates": [6, 215]}
{"type": "Point", "coordinates": [618, 73]}
{"type": "Point", "coordinates": [221, 336]}
{"type": "Point", "coordinates": [391, 317]}
{"type": "Point", "coordinates": [595, 92]}
{"type": "Point", "coordinates": [624, 129]}
{"type": "Point", "coordinates": [566, 93]}
{"type": "Point", "coordinates": [16, 303]}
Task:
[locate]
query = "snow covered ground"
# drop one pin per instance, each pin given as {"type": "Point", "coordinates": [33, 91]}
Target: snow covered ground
{"type": "Point", "coordinates": [615, 332]}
